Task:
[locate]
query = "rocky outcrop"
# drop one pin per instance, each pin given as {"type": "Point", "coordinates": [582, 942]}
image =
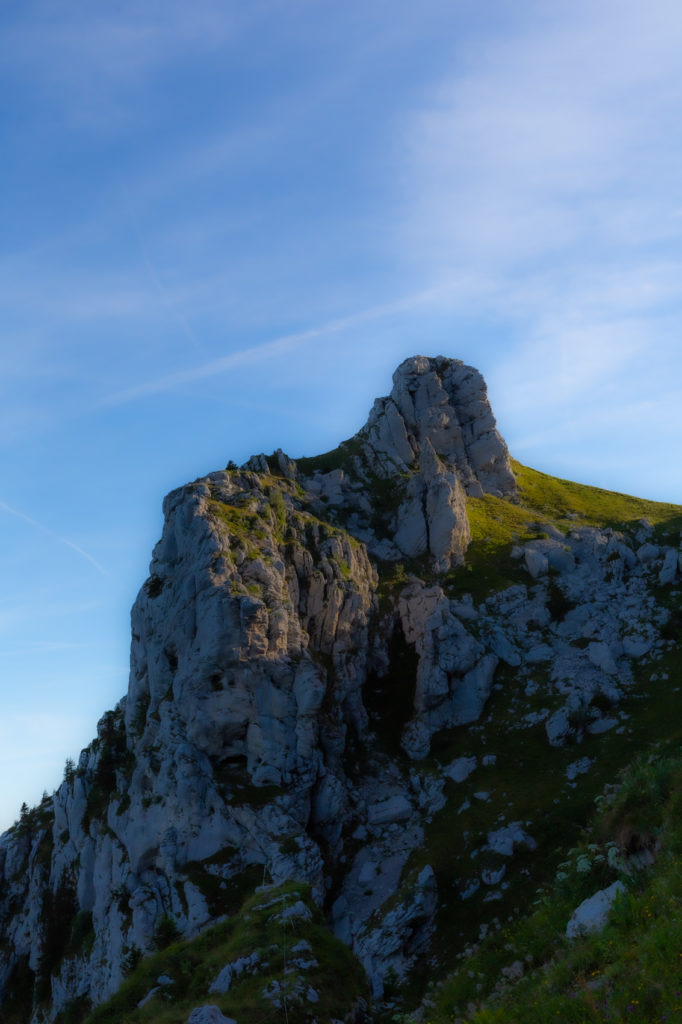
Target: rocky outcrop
{"type": "Point", "coordinates": [271, 636]}
{"type": "Point", "coordinates": [426, 446]}
{"type": "Point", "coordinates": [249, 651]}
{"type": "Point", "coordinates": [454, 674]}
{"type": "Point", "coordinates": [439, 405]}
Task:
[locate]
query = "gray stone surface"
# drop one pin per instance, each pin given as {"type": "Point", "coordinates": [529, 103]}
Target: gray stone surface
{"type": "Point", "coordinates": [242, 965]}
{"type": "Point", "coordinates": [504, 840]}
{"type": "Point", "coordinates": [396, 808]}
{"type": "Point", "coordinates": [209, 1015]}
{"type": "Point", "coordinates": [436, 435]}
{"type": "Point", "coordinates": [601, 656]}
{"type": "Point", "coordinates": [536, 563]}
{"type": "Point", "coordinates": [460, 769]}
{"type": "Point", "coordinates": [592, 913]}
{"type": "Point", "coordinates": [668, 572]}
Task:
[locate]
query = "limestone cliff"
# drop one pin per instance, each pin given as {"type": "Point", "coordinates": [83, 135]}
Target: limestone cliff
{"type": "Point", "coordinates": [301, 638]}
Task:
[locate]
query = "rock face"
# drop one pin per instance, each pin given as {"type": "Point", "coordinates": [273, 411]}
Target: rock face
{"type": "Point", "coordinates": [439, 407]}
{"type": "Point", "coordinates": [429, 444]}
{"type": "Point", "coordinates": [266, 653]}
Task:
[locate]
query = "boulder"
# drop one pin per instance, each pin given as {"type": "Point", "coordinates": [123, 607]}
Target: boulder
{"type": "Point", "coordinates": [558, 727]}
{"type": "Point", "coordinates": [592, 913]}
{"type": "Point", "coordinates": [536, 563]}
{"type": "Point", "coordinates": [600, 655]}
{"type": "Point", "coordinates": [635, 647]}
{"type": "Point", "coordinates": [668, 571]}
{"type": "Point", "coordinates": [502, 646]}
{"type": "Point", "coordinates": [647, 553]}
{"type": "Point", "coordinates": [209, 1015]}
{"type": "Point", "coordinates": [471, 694]}
{"type": "Point", "coordinates": [503, 840]}
{"type": "Point", "coordinates": [491, 876]}
{"type": "Point", "coordinates": [460, 769]}
{"type": "Point", "coordinates": [395, 808]}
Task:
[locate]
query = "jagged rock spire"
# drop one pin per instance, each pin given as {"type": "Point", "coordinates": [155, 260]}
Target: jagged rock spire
{"type": "Point", "coordinates": [440, 404]}
{"type": "Point", "coordinates": [424, 448]}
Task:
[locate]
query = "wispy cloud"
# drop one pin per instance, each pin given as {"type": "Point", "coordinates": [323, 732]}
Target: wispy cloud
{"type": "Point", "coordinates": [544, 162]}
{"type": "Point", "coordinates": [556, 137]}
{"type": "Point", "coordinates": [89, 57]}
{"type": "Point", "coordinates": [51, 533]}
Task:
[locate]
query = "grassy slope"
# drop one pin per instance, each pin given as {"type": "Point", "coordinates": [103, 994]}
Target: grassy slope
{"type": "Point", "coordinates": [194, 964]}
{"type": "Point", "coordinates": [630, 971]}
{"type": "Point", "coordinates": [496, 525]}
{"type": "Point", "coordinates": [528, 783]}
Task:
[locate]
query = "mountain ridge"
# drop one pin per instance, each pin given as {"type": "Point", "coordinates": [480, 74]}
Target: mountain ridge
{"type": "Point", "coordinates": [308, 632]}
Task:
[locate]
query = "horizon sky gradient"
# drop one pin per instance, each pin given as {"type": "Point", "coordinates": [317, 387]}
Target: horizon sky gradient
{"type": "Point", "coordinates": [225, 225]}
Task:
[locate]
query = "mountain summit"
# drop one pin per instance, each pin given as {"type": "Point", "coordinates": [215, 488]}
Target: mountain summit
{"type": "Point", "coordinates": [404, 477]}
{"type": "Point", "coordinates": [439, 407]}
{"type": "Point", "coordinates": [347, 675]}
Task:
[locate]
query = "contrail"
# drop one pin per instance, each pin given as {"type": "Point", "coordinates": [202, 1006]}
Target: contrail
{"type": "Point", "coordinates": [45, 529]}
{"type": "Point", "coordinates": [257, 353]}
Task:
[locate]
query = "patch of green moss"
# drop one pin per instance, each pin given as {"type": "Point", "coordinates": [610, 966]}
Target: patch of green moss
{"type": "Point", "coordinates": [242, 522]}
{"type": "Point", "coordinates": [223, 896]}
{"type": "Point", "coordinates": [278, 509]}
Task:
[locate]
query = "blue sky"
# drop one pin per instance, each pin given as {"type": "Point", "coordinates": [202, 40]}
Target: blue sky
{"type": "Point", "coordinates": [224, 224]}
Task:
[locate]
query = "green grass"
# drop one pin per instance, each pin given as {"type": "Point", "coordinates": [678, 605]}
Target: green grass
{"type": "Point", "coordinates": [565, 504]}
{"type": "Point", "coordinates": [194, 964]}
{"type": "Point", "coordinates": [498, 524]}
{"type": "Point", "coordinates": [241, 523]}
{"type": "Point", "coordinates": [630, 971]}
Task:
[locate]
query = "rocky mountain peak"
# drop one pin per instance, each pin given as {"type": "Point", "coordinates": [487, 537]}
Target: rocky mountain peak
{"type": "Point", "coordinates": [440, 405]}
{"type": "Point", "coordinates": [321, 741]}
{"type": "Point", "coordinates": [424, 448]}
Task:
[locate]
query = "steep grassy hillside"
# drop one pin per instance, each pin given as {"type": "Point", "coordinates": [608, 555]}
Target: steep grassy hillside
{"type": "Point", "coordinates": [631, 971]}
